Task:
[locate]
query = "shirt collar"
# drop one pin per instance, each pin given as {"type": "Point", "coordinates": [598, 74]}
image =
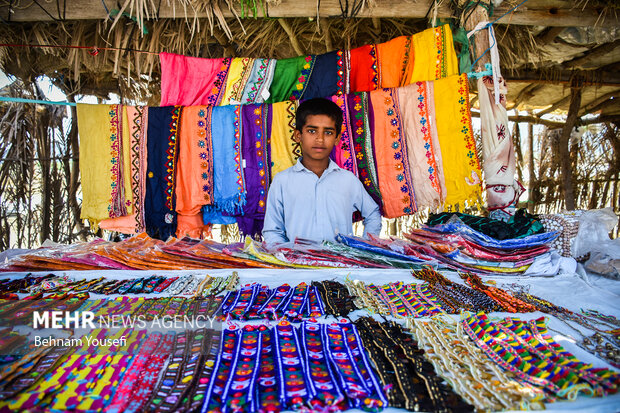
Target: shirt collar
{"type": "Point", "coordinates": [298, 167]}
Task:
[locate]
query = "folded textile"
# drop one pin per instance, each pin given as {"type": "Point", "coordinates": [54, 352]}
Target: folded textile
{"type": "Point", "coordinates": [191, 81]}
{"type": "Point", "coordinates": [393, 61]}
{"type": "Point", "coordinates": [291, 78]}
{"type": "Point", "coordinates": [520, 225]}
{"type": "Point", "coordinates": [395, 182]}
{"type": "Point", "coordinates": [101, 165]}
{"type": "Point", "coordinates": [461, 167]}
{"type": "Point", "coordinates": [327, 76]}
{"type": "Point", "coordinates": [238, 76]}
{"type": "Point", "coordinates": [417, 105]}
{"type": "Point", "coordinates": [284, 151]}
{"type": "Point", "coordinates": [434, 56]}
{"type": "Point", "coordinates": [229, 182]}
{"type": "Point", "coordinates": [361, 122]}
{"type": "Point", "coordinates": [257, 87]}
{"type": "Point", "coordinates": [194, 179]}
{"type": "Point", "coordinates": [343, 153]}
{"type": "Point", "coordinates": [162, 146]}
{"type": "Point", "coordinates": [364, 75]}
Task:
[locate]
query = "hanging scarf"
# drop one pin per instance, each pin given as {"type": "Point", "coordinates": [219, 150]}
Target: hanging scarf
{"type": "Point", "coordinates": [101, 162]}
{"type": "Point", "coordinates": [162, 146]}
{"type": "Point", "coordinates": [229, 185]}
{"type": "Point", "coordinates": [284, 151]}
{"type": "Point", "coordinates": [238, 75]}
{"type": "Point", "coordinates": [458, 148]}
{"type": "Point", "coordinates": [418, 114]}
{"type": "Point", "coordinates": [395, 182]}
{"type": "Point", "coordinates": [343, 153]}
{"type": "Point", "coordinates": [195, 172]}
{"type": "Point", "coordinates": [194, 180]}
{"type": "Point", "coordinates": [191, 81]}
{"type": "Point", "coordinates": [257, 87]}
{"type": "Point", "coordinates": [135, 122]}
{"type": "Point", "coordinates": [392, 60]}
{"type": "Point", "coordinates": [362, 124]}
{"type": "Point", "coordinates": [291, 78]}
{"type": "Point", "coordinates": [255, 150]}
{"type": "Point", "coordinates": [434, 55]}
{"type": "Point", "coordinates": [364, 70]}
{"type": "Point", "coordinates": [325, 77]}
{"type": "Point", "coordinates": [503, 190]}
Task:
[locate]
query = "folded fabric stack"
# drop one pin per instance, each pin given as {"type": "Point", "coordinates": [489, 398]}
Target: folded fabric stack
{"type": "Point", "coordinates": [462, 242]}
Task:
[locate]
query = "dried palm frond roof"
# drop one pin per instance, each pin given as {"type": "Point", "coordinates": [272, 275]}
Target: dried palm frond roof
{"type": "Point", "coordinates": [540, 60]}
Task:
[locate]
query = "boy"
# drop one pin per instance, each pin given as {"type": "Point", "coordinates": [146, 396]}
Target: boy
{"type": "Point", "coordinates": [315, 199]}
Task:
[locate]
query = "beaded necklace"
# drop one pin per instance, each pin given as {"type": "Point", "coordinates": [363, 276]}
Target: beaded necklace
{"type": "Point", "coordinates": [314, 305]}
{"type": "Point", "coordinates": [335, 297]}
{"type": "Point", "coordinates": [242, 301]}
{"type": "Point", "coordinates": [293, 307]}
{"type": "Point", "coordinates": [165, 284]}
{"type": "Point", "coordinates": [152, 283]}
{"type": "Point", "coordinates": [278, 296]}
{"type": "Point", "coordinates": [260, 299]}
{"type": "Point", "coordinates": [170, 373]}
{"type": "Point", "coordinates": [196, 395]}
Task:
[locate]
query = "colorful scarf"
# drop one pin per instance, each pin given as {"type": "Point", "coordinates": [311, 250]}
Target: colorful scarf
{"type": "Point", "coordinates": [361, 124]}
{"type": "Point", "coordinates": [364, 70]}
{"type": "Point", "coordinates": [291, 78]}
{"type": "Point", "coordinates": [393, 59]}
{"type": "Point", "coordinates": [238, 75]}
{"type": "Point", "coordinates": [255, 150]}
{"type": "Point", "coordinates": [343, 153]}
{"type": "Point", "coordinates": [195, 172]}
{"type": "Point", "coordinates": [395, 182]}
{"type": "Point", "coordinates": [229, 183]}
{"type": "Point", "coordinates": [162, 146]}
{"type": "Point", "coordinates": [101, 162]}
{"type": "Point", "coordinates": [191, 81]}
{"type": "Point", "coordinates": [325, 77]}
{"type": "Point", "coordinates": [284, 151]}
{"type": "Point", "coordinates": [257, 87]}
{"type": "Point", "coordinates": [418, 114]}
{"type": "Point", "coordinates": [434, 55]}
{"type": "Point", "coordinates": [135, 122]}
{"type": "Point", "coordinates": [461, 167]}
{"type": "Point", "coordinates": [503, 190]}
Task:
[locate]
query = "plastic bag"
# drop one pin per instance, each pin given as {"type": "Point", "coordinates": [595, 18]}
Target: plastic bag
{"type": "Point", "coordinates": [593, 238]}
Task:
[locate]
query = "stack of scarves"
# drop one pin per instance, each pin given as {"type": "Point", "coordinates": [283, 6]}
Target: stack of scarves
{"type": "Point", "coordinates": [411, 146]}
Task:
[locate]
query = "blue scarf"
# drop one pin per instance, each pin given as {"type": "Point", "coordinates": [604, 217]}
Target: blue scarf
{"type": "Point", "coordinates": [229, 184]}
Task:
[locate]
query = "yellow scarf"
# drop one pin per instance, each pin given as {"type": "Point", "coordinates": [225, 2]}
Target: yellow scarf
{"type": "Point", "coordinates": [238, 75]}
{"type": "Point", "coordinates": [433, 56]}
{"type": "Point", "coordinates": [284, 151]}
{"type": "Point", "coordinates": [461, 167]}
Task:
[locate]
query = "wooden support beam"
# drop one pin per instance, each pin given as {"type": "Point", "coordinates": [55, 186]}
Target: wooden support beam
{"type": "Point", "coordinates": [554, 106]}
{"type": "Point", "coordinates": [548, 35]}
{"type": "Point", "coordinates": [595, 104]}
{"type": "Point", "coordinates": [563, 14]}
{"type": "Point", "coordinates": [563, 76]}
{"type": "Point", "coordinates": [557, 125]}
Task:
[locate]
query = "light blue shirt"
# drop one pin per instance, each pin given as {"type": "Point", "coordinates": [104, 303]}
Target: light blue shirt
{"type": "Point", "coordinates": [302, 205]}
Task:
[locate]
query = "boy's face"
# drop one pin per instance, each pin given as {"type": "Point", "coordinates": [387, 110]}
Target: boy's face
{"type": "Point", "coordinates": [317, 137]}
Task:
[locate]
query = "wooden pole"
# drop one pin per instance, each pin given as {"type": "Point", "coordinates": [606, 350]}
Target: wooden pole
{"type": "Point", "coordinates": [530, 167]}
{"type": "Point", "coordinates": [481, 38]}
{"type": "Point", "coordinates": [565, 157]}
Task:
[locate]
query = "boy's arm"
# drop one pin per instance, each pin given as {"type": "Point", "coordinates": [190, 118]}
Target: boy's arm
{"type": "Point", "coordinates": [370, 211]}
{"type": "Point", "coordinates": [274, 231]}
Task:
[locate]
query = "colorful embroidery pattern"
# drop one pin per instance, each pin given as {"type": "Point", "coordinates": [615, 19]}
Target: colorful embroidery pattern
{"type": "Point", "coordinates": [205, 144]}
{"type": "Point", "coordinates": [138, 126]}
{"type": "Point", "coordinates": [376, 81]}
{"type": "Point", "coordinates": [302, 81]}
{"type": "Point", "coordinates": [406, 57]}
{"type": "Point", "coordinates": [467, 130]}
{"type": "Point", "coordinates": [237, 87]}
{"type": "Point", "coordinates": [363, 144]}
{"type": "Point", "coordinates": [345, 157]}
{"type": "Point", "coordinates": [261, 153]}
{"type": "Point", "coordinates": [343, 78]}
{"type": "Point", "coordinates": [440, 41]}
{"type": "Point", "coordinates": [401, 171]}
{"type": "Point", "coordinates": [425, 128]}
{"type": "Point", "coordinates": [171, 157]}
{"type": "Point", "coordinates": [257, 87]}
{"type": "Point", "coordinates": [116, 206]}
{"type": "Point", "coordinates": [237, 148]}
{"type": "Point", "coordinates": [291, 109]}
{"type": "Point", "coordinates": [217, 93]}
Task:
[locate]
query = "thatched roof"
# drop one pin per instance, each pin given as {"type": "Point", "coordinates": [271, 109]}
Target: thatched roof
{"type": "Point", "coordinates": [543, 43]}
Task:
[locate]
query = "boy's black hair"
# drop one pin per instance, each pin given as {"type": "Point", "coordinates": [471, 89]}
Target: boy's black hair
{"type": "Point", "coordinates": [318, 106]}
